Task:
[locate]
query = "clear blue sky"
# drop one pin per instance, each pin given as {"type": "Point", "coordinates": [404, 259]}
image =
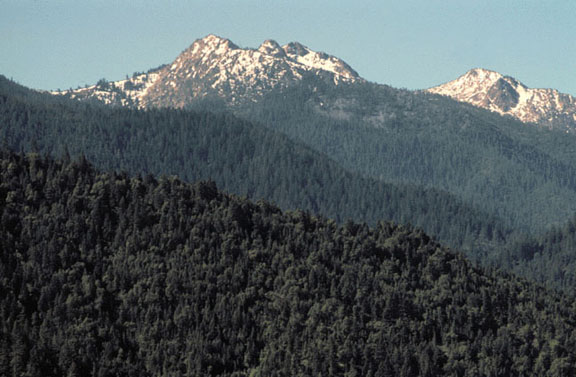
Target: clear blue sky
{"type": "Point", "coordinates": [415, 44]}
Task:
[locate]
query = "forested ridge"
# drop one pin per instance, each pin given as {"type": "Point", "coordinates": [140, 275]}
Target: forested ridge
{"type": "Point", "coordinates": [108, 274]}
{"type": "Point", "coordinates": [251, 160]}
{"type": "Point", "coordinates": [521, 173]}
{"type": "Point", "coordinates": [241, 157]}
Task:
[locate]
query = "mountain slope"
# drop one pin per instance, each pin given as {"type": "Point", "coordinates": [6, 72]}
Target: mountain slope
{"type": "Point", "coordinates": [549, 258]}
{"type": "Point", "coordinates": [517, 172]}
{"type": "Point", "coordinates": [524, 176]}
{"type": "Point", "coordinates": [506, 95]}
{"type": "Point", "coordinates": [107, 275]}
{"type": "Point", "coordinates": [241, 157]}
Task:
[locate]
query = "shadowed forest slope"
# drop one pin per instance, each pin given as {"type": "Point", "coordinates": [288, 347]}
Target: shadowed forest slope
{"type": "Point", "coordinates": [103, 274]}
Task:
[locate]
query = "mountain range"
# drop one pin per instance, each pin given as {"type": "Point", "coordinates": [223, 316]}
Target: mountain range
{"type": "Point", "coordinates": [341, 246]}
{"type": "Point", "coordinates": [393, 135]}
{"type": "Point", "coordinates": [216, 68]}
{"type": "Point", "coordinates": [347, 145]}
{"type": "Point", "coordinates": [239, 156]}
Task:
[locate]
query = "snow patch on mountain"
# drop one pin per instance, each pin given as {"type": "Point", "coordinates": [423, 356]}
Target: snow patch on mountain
{"type": "Point", "coordinates": [301, 54]}
{"type": "Point", "coordinates": [506, 95]}
{"type": "Point", "coordinates": [128, 92]}
{"type": "Point", "coordinates": [215, 66]}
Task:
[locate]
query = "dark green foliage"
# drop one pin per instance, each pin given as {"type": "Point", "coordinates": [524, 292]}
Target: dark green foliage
{"type": "Point", "coordinates": [109, 275]}
{"type": "Point", "coordinates": [240, 157]}
{"type": "Point", "coordinates": [521, 173]}
{"type": "Point", "coordinates": [549, 258]}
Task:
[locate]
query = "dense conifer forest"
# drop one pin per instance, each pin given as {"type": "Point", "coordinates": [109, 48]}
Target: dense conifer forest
{"type": "Point", "coordinates": [521, 173]}
{"type": "Point", "coordinates": [108, 274]}
{"type": "Point", "coordinates": [548, 258]}
{"type": "Point", "coordinates": [241, 157]}
{"type": "Point", "coordinates": [255, 161]}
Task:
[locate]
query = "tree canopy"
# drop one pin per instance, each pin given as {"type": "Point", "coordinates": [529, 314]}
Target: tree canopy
{"type": "Point", "coordinates": [108, 274]}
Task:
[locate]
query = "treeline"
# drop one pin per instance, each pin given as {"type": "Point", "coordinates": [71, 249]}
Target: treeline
{"type": "Point", "coordinates": [104, 274]}
{"type": "Point", "coordinates": [241, 157]}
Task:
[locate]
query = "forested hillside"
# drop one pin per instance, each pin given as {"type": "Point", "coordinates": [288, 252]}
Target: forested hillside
{"type": "Point", "coordinates": [104, 274]}
{"type": "Point", "coordinates": [521, 173]}
{"type": "Point", "coordinates": [240, 157]}
{"type": "Point", "coordinates": [506, 176]}
{"type": "Point", "coordinates": [548, 258]}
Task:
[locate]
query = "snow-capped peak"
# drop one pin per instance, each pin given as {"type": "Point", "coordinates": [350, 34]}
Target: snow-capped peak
{"type": "Point", "coordinates": [468, 86]}
{"type": "Point", "coordinates": [211, 44]}
{"type": "Point", "coordinates": [272, 48]}
{"type": "Point", "coordinates": [215, 67]}
{"type": "Point", "coordinates": [296, 49]}
{"type": "Point", "coordinates": [319, 60]}
{"type": "Point", "coordinates": [483, 75]}
{"type": "Point", "coordinates": [506, 95]}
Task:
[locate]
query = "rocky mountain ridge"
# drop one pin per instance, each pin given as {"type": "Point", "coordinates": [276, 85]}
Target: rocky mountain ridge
{"type": "Point", "coordinates": [214, 67]}
{"type": "Point", "coordinates": [508, 96]}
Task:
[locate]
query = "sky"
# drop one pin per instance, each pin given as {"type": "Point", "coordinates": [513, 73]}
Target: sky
{"type": "Point", "coordinates": [413, 44]}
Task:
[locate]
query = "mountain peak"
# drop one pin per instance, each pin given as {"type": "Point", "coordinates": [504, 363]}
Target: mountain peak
{"type": "Point", "coordinates": [214, 67]}
{"type": "Point", "coordinates": [272, 48]}
{"type": "Point", "coordinates": [474, 78]}
{"type": "Point", "coordinates": [212, 44]}
{"type": "Point", "coordinates": [482, 72]}
{"type": "Point", "coordinates": [214, 39]}
{"type": "Point", "coordinates": [295, 48]}
{"type": "Point", "coordinates": [319, 60]}
{"type": "Point", "coordinates": [506, 95]}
